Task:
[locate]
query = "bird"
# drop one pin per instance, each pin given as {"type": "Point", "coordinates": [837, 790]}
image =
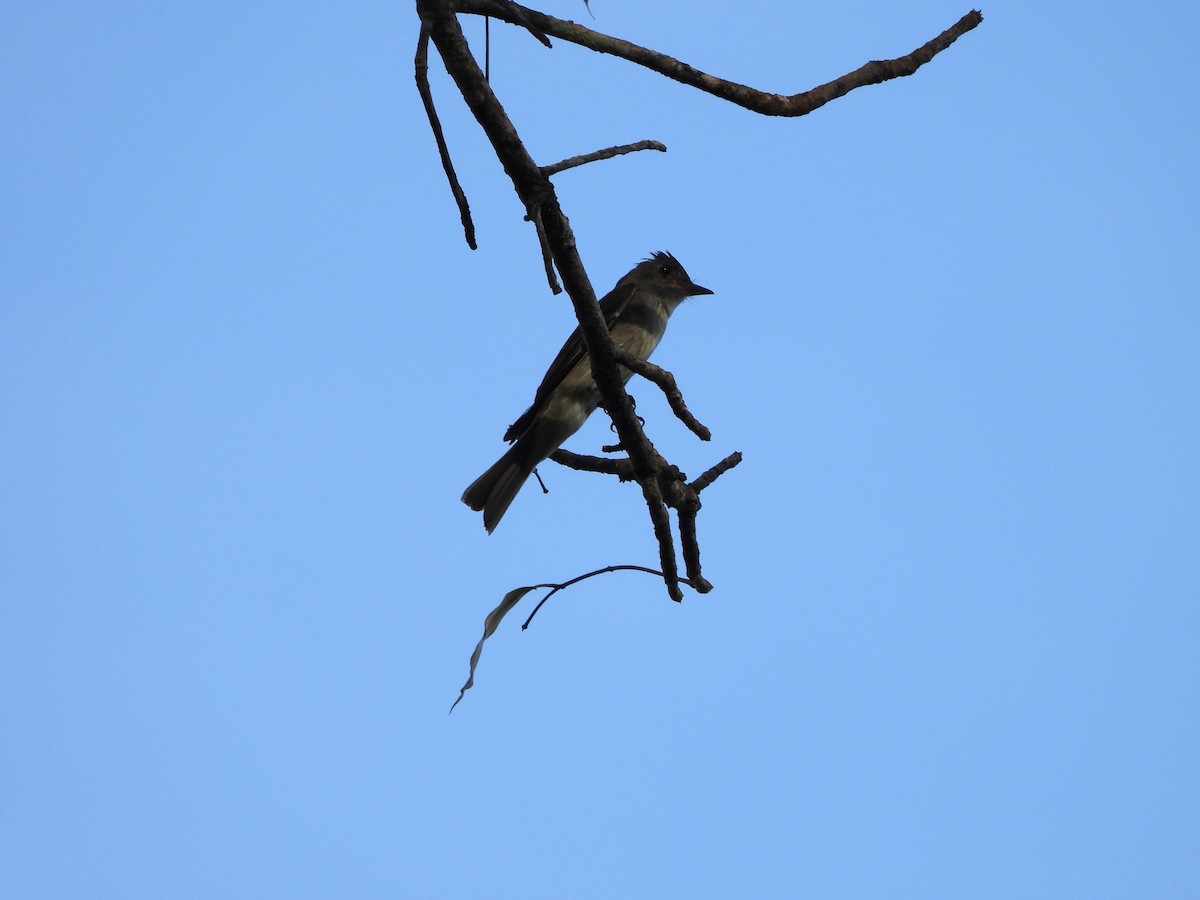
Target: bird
{"type": "Point", "coordinates": [636, 312]}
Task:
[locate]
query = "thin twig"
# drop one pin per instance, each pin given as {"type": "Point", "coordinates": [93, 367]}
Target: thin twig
{"type": "Point", "coordinates": [597, 155]}
{"type": "Point", "coordinates": [555, 588]}
{"type": "Point", "coordinates": [421, 64]}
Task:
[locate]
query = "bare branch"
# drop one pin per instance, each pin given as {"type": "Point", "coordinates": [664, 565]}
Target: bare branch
{"type": "Point", "coordinates": [677, 493]}
{"type": "Point", "coordinates": [684, 498]}
{"type": "Point", "coordinates": [666, 381]}
{"type": "Point", "coordinates": [687, 504]}
{"type": "Point", "coordinates": [597, 155]}
{"type": "Point", "coordinates": [691, 546]}
{"type": "Point", "coordinates": [757, 101]}
{"type": "Point", "coordinates": [622, 468]}
{"type": "Point", "coordinates": [716, 472]}
{"type": "Point", "coordinates": [421, 64]}
{"type": "Point", "coordinates": [661, 520]}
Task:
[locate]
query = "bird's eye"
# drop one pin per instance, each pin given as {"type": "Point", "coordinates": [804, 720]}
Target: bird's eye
{"type": "Point", "coordinates": [664, 270]}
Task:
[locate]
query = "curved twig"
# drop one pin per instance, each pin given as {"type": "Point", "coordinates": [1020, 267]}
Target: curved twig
{"type": "Point", "coordinates": [555, 588]}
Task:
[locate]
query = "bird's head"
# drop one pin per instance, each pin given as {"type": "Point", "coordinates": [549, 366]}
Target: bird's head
{"type": "Point", "coordinates": [663, 272]}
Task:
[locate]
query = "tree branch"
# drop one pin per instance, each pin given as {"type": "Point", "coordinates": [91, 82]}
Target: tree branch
{"type": "Point", "coordinates": [716, 472]}
{"type": "Point", "coordinates": [757, 101]}
{"type": "Point", "coordinates": [688, 508]}
{"type": "Point", "coordinates": [421, 63]}
{"type": "Point", "coordinates": [678, 493]}
{"type": "Point", "coordinates": [622, 467]}
{"type": "Point", "coordinates": [666, 382]}
{"type": "Point", "coordinates": [607, 153]}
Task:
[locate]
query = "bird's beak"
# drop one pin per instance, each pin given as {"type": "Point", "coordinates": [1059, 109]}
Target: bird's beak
{"type": "Point", "coordinates": [695, 290]}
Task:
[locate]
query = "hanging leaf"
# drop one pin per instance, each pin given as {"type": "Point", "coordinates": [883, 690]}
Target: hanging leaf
{"type": "Point", "coordinates": [490, 624]}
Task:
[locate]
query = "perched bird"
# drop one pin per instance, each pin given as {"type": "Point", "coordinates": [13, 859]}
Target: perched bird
{"type": "Point", "coordinates": [636, 312]}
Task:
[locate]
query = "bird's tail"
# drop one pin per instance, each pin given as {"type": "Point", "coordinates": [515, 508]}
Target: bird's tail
{"type": "Point", "coordinates": [494, 490]}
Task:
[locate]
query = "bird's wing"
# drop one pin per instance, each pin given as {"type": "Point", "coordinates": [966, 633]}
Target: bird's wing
{"type": "Point", "coordinates": [611, 306]}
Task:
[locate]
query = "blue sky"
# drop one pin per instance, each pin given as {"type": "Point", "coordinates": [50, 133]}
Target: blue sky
{"type": "Point", "coordinates": [248, 365]}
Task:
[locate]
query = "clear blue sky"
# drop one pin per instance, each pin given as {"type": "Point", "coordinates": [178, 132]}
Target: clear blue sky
{"type": "Point", "coordinates": [248, 365]}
